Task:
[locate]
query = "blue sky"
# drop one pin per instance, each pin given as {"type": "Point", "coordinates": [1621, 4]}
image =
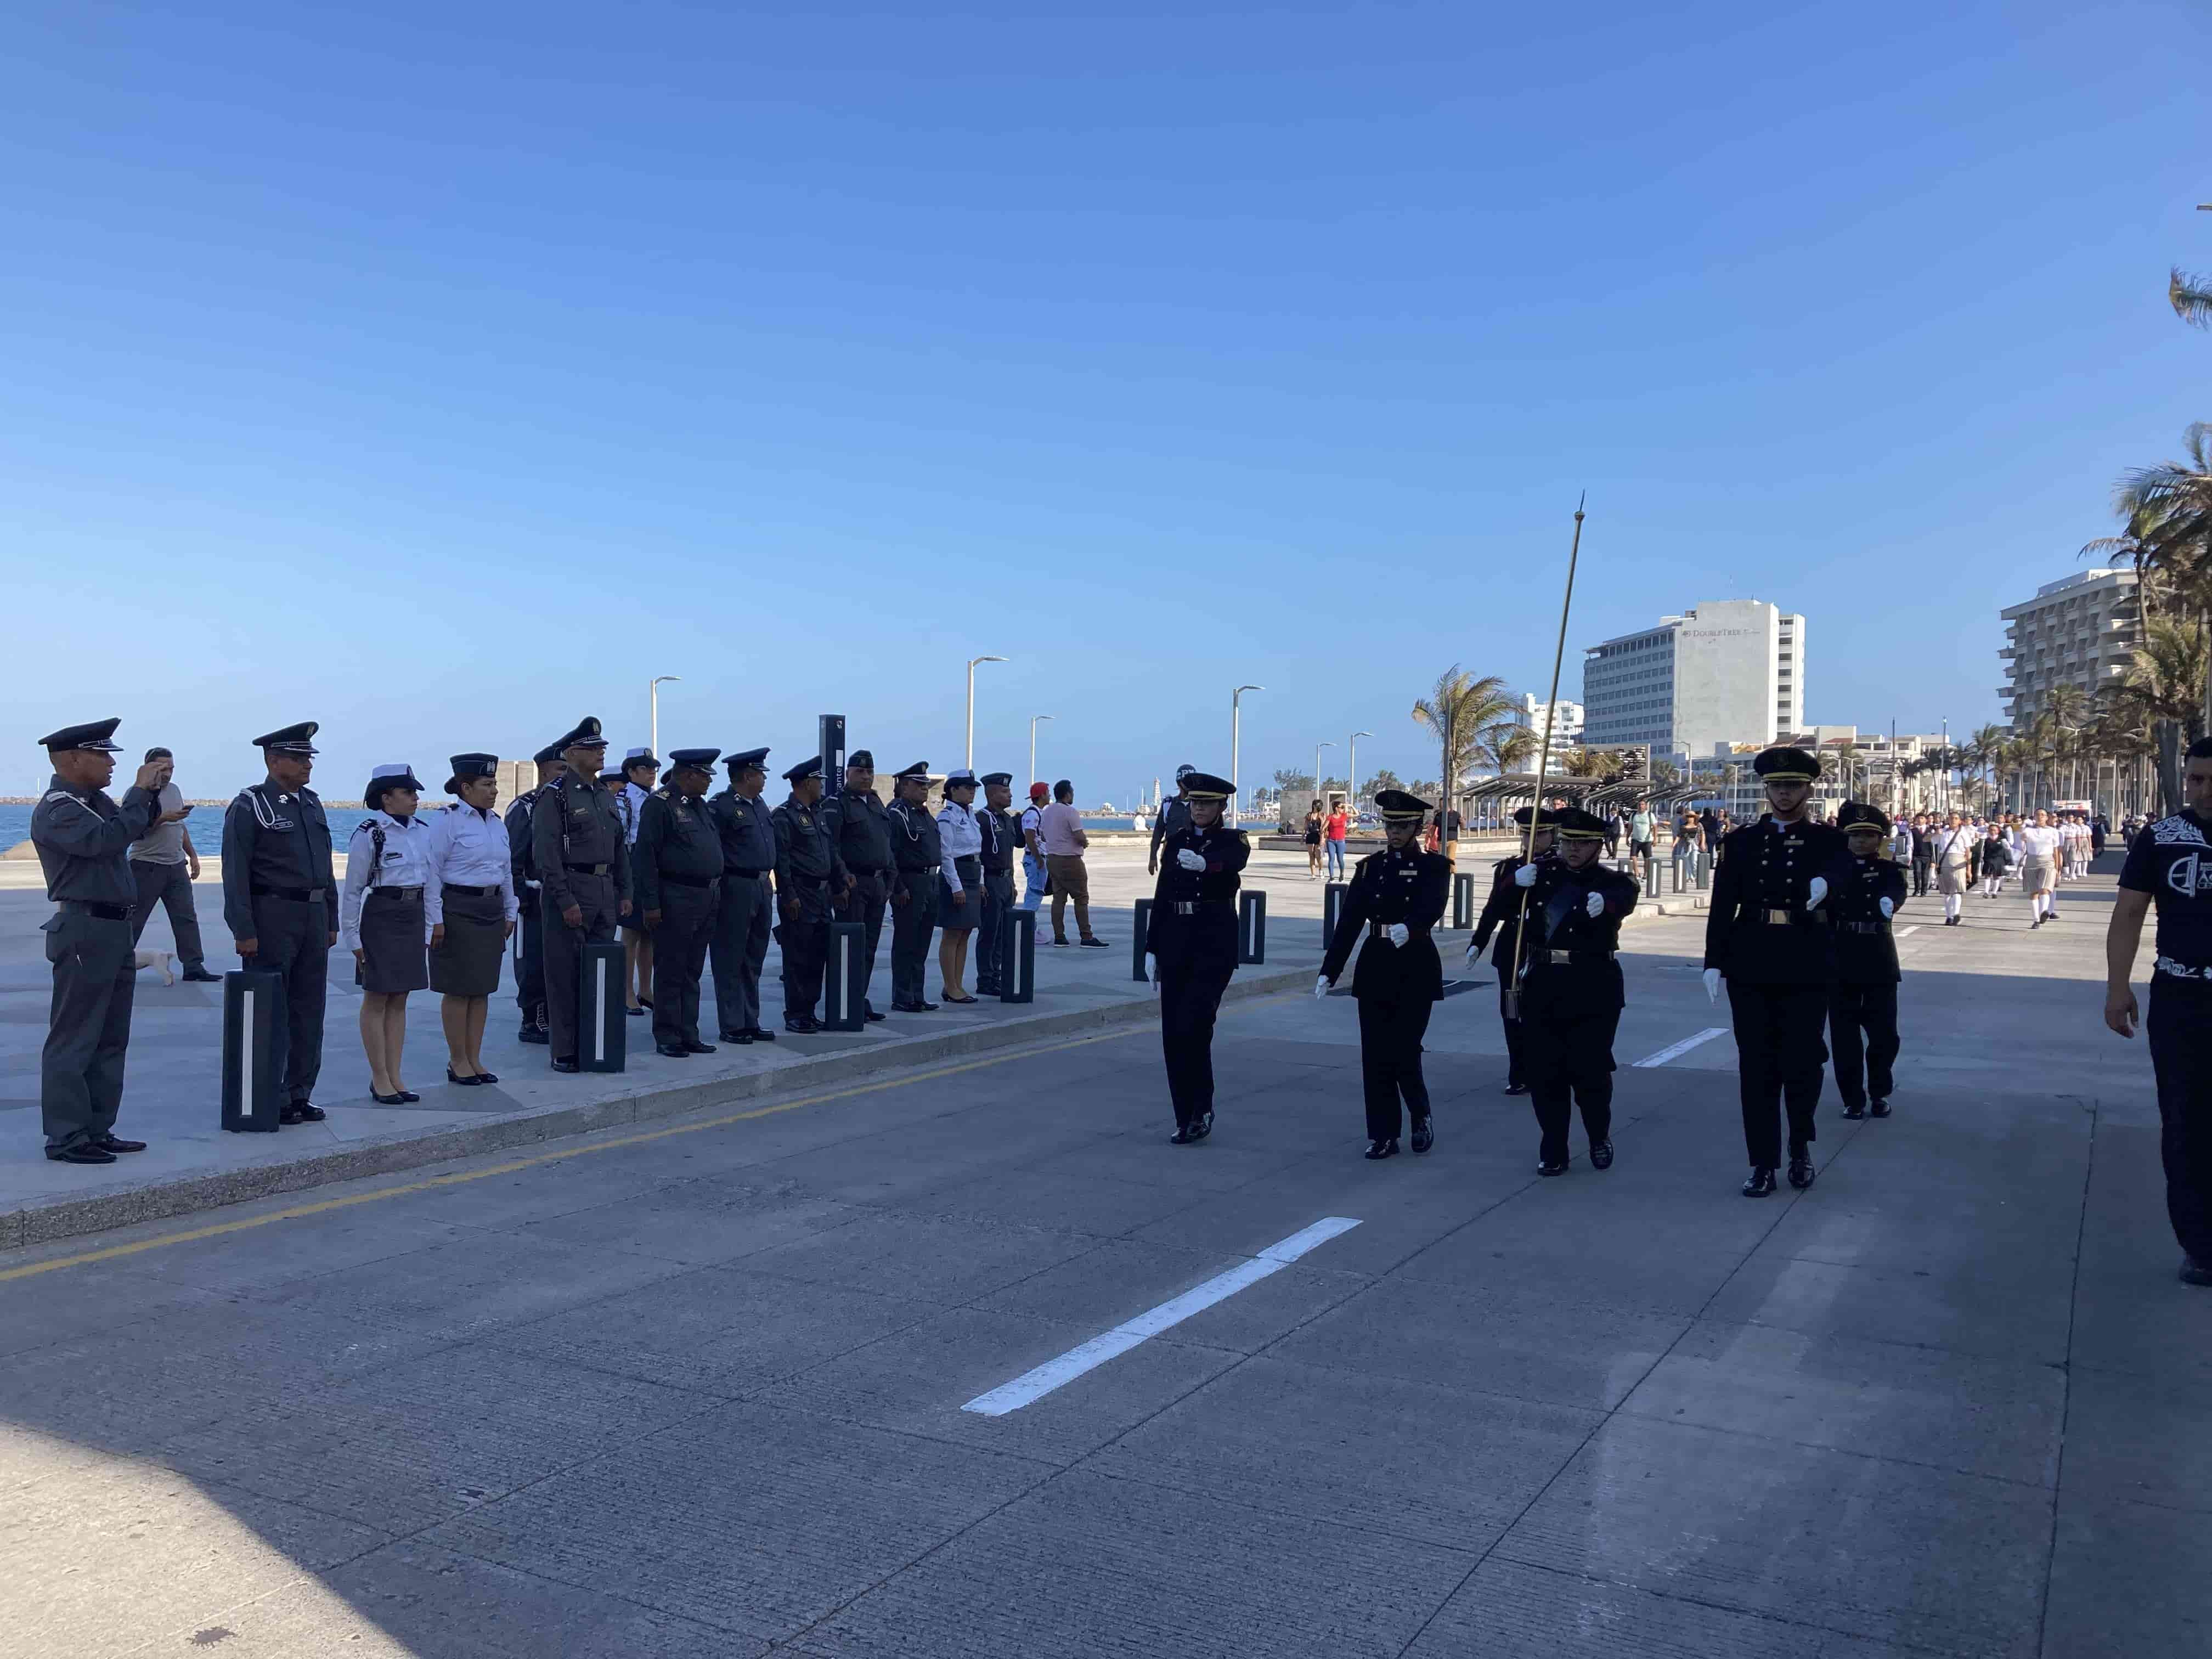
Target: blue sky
{"type": "Point", "coordinates": [443, 373]}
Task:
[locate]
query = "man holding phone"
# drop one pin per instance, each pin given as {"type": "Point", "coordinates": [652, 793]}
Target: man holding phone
{"type": "Point", "coordinates": [165, 864]}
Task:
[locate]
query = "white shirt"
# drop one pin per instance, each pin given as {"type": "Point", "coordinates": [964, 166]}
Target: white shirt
{"type": "Point", "coordinates": [960, 837]}
{"type": "Point", "coordinates": [630, 803]}
{"type": "Point", "coordinates": [1900, 842]}
{"type": "Point", "coordinates": [406, 864]}
{"type": "Point", "coordinates": [1032, 825]}
{"type": "Point", "coordinates": [469, 848]}
{"type": "Point", "coordinates": [2039, 841]}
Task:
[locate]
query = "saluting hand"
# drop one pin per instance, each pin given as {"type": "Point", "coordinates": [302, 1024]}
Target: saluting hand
{"type": "Point", "coordinates": [1525, 876]}
{"type": "Point", "coordinates": [1596, 905]}
{"type": "Point", "coordinates": [151, 776]}
{"type": "Point", "coordinates": [1191, 861]}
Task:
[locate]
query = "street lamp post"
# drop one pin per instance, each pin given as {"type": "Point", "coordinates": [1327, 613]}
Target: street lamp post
{"type": "Point", "coordinates": [1351, 766]}
{"type": "Point", "coordinates": [653, 695]}
{"type": "Point", "coordinates": [972, 661]}
{"type": "Point", "coordinates": [1317, 749]}
{"type": "Point", "coordinates": [1033, 719]}
{"type": "Point", "coordinates": [1235, 734]}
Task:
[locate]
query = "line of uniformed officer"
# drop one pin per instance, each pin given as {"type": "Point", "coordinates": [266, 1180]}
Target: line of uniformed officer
{"type": "Point", "coordinates": [1395, 897]}
{"type": "Point", "coordinates": [861, 826]}
{"type": "Point", "coordinates": [1501, 917]}
{"type": "Point", "coordinates": [679, 875]}
{"type": "Point", "coordinates": [522, 858]}
{"type": "Point", "coordinates": [1862, 1003]}
{"type": "Point", "coordinates": [584, 877]}
{"type": "Point", "coordinates": [805, 867]}
{"type": "Point", "coordinates": [746, 914]}
{"type": "Point", "coordinates": [1002, 841]}
{"type": "Point", "coordinates": [1191, 938]}
{"type": "Point", "coordinates": [917, 856]}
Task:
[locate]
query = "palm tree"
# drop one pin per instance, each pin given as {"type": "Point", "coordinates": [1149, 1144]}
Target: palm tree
{"type": "Point", "coordinates": [1980, 752]}
{"type": "Point", "coordinates": [1455, 713]}
{"type": "Point", "coordinates": [2190, 297]}
{"type": "Point", "coordinates": [2166, 510]}
{"type": "Point", "coordinates": [2165, 687]}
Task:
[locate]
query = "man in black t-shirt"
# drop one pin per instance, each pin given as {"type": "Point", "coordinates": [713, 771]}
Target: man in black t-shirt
{"type": "Point", "coordinates": [2170, 864]}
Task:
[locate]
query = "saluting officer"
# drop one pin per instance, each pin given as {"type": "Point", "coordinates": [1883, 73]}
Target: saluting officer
{"type": "Point", "coordinates": [862, 830]}
{"type": "Point", "coordinates": [1501, 915]}
{"type": "Point", "coordinates": [1002, 838]}
{"type": "Point", "coordinates": [918, 854]}
{"type": "Point", "coordinates": [1395, 897]}
{"type": "Point", "coordinates": [679, 865]}
{"type": "Point", "coordinates": [1768, 935]}
{"type": "Point", "coordinates": [805, 865]}
{"type": "Point", "coordinates": [746, 912]}
{"type": "Point", "coordinates": [522, 861]}
{"type": "Point", "coordinates": [583, 875]}
{"type": "Point", "coordinates": [280, 903]}
{"type": "Point", "coordinates": [1571, 991]}
{"type": "Point", "coordinates": [1862, 1003]}
{"type": "Point", "coordinates": [83, 840]}
{"type": "Point", "coordinates": [1192, 940]}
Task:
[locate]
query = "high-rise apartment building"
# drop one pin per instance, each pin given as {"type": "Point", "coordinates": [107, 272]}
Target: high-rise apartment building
{"type": "Point", "coordinates": [1729, 671]}
{"type": "Point", "coordinates": [1566, 720]}
{"type": "Point", "coordinates": [2081, 630]}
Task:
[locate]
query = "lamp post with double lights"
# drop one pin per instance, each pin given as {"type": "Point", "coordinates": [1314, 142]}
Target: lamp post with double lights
{"type": "Point", "coordinates": [1032, 777]}
{"type": "Point", "coordinates": [652, 696]}
{"type": "Point", "coordinates": [1235, 734]}
{"type": "Point", "coordinates": [972, 661]}
{"type": "Point", "coordinates": [1352, 768]}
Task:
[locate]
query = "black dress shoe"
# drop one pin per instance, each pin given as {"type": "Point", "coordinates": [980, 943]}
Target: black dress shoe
{"type": "Point", "coordinates": [472, 1081]}
{"type": "Point", "coordinates": [200, 977]}
{"type": "Point", "coordinates": [1093, 944]}
{"type": "Point", "coordinates": [673, 1050]}
{"type": "Point", "coordinates": [1201, 1126]}
{"type": "Point", "coordinates": [1424, 1133]}
{"type": "Point", "coordinates": [801, 1024]}
{"type": "Point", "coordinates": [2193, 1272]}
{"type": "Point", "coordinates": [1800, 1171]}
{"type": "Point", "coordinates": [487, 1077]}
{"type": "Point", "coordinates": [381, 1100]}
{"type": "Point", "coordinates": [1517, 1088]}
{"type": "Point", "coordinates": [637, 1012]}
{"type": "Point", "coordinates": [1181, 1137]}
{"type": "Point", "coordinates": [760, 1034]}
{"type": "Point", "coordinates": [306, 1111]}
{"type": "Point", "coordinates": [1385, 1148]}
{"type": "Point", "coordinates": [698, 1047]}
{"type": "Point", "coordinates": [1601, 1155]}
{"type": "Point", "coordinates": [566, 1065]}
{"type": "Point", "coordinates": [874, 1015]}
{"type": "Point", "coordinates": [739, 1037]}
{"type": "Point", "coordinates": [1856, 1109]}
{"type": "Point", "coordinates": [1761, 1184]}
{"type": "Point", "coordinates": [404, 1094]}
{"type": "Point", "coordinates": [534, 1034]}
{"type": "Point", "coordinates": [79, 1151]}
{"type": "Point", "coordinates": [1881, 1106]}
{"type": "Point", "coordinates": [1559, 1169]}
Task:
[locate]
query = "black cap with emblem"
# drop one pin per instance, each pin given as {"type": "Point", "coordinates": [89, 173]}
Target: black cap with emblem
{"type": "Point", "coordinates": [1203, 785]}
{"type": "Point", "coordinates": [548, 755]}
{"type": "Point", "coordinates": [1857, 814]}
{"type": "Point", "coordinates": [1004, 778]}
{"type": "Point", "coordinates": [290, 739]}
{"type": "Point", "coordinates": [861, 757]}
{"type": "Point", "coordinates": [1396, 806]}
{"type": "Point", "coordinates": [811, 768]}
{"type": "Point", "coordinates": [693, 760]}
{"type": "Point", "coordinates": [1575, 824]}
{"type": "Point", "coordinates": [466, 767]}
{"type": "Point", "coordinates": [92, 734]}
{"type": "Point", "coordinates": [1545, 819]}
{"type": "Point", "coordinates": [585, 734]}
{"type": "Point", "coordinates": [746, 760]}
{"type": "Point", "coordinates": [1786, 765]}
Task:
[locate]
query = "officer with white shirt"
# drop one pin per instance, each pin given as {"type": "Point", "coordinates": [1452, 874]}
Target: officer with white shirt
{"type": "Point", "coordinates": [471, 904]}
{"type": "Point", "coordinates": [960, 836]}
{"type": "Point", "coordinates": [381, 921]}
{"type": "Point", "coordinates": [640, 768]}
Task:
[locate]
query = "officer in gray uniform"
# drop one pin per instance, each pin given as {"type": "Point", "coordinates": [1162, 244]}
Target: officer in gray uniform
{"type": "Point", "coordinates": [679, 871]}
{"type": "Point", "coordinates": [862, 830]}
{"type": "Point", "coordinates": [521, 857]}
{"type": "Point", "coordinates": [1002, 840]}
{"type": "Point", "coordinates": [805, 866]}
{"type": "Point", "coordinates": [748, 903]}
{"type": "Point", "coordinates": [918, 855]}
{"type": "Point", "coordinates": [583, 874]}
{"type": "Point", "coordinates": [83, 840]}
{"type": "Point", "coordinates": [280, 903]}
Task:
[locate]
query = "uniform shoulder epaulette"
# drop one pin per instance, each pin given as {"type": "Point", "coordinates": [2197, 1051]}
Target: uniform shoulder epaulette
{"type": "Point", "coordinates": [304, 793]}
{"type": "Point", "coordinates": [59, 794]}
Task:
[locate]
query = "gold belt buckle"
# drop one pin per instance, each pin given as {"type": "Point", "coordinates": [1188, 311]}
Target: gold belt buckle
{"type": "Point", "coordinates": [1778, 918]}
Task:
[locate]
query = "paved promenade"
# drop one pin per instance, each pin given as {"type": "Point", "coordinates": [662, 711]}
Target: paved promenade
{"type": "Point", "coordinates": [697, 1387]}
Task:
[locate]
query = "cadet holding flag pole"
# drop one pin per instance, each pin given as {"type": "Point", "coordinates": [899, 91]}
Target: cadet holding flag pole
{"type": "Point", "coordinates": [1192, 940]}
{"type": "Point", "coordinates": [1501, 914]}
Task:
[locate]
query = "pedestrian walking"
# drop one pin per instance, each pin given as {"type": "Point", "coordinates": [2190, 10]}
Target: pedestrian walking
{"type": "Point", "coordinates": [1923, 854]}
{"type": "Point", "coordinates": [82, 838]}
{"type": "Point", "coordinates": [1955, 864]}
{"type": "Point", "coordinates": [1001, 837]}
{"type": "Point", "coordinates": [1316, 826]}
{"type": "Point", "coordinates": [469, 901]}
{"type": "Point", "coordinates": [744, 912]}
{"type": "Point", "coordinates": [1997, 858]}
{"type": "Point", "coordinates": [860, 827]}
{"type": "Point", "coordinates": [582, 857]}
{"type": "Point", "coordinates": [1336, 827]}
{"type": "Point", "coordinates": [2042, 846]}
{"type": "Point", "coordinates": [641, 769]}
{"type": "Point", "coordinates": [917, 891]}
{"type": "Point", "coordinates": [1687, 831]}
{"type": "Point", "coordinates": [280, 903]}
{"type": "Point", "coordinates": [1863, 1004]}
{"type": "Point", "coordinates": [1191, 940]}
{"type": "Point", "coordinates": [806, 873]}
{"type": "Point", "coordinates": [1395, 899]}
{"type": "Point", "coordinates": [679, 871]}
{"type": "Point", "coordinates": [381, 920]}
{"type": "Point", "coordinates": [1766, 936]}
{"type": "Point", "coordinates": [164, 864]}
{"type": "Point", "coordinates": [1500, 918]}
{"type": "Point", "coordinates": [522, 875]}
{"type": "Point", "coordinates": [1060, 826]}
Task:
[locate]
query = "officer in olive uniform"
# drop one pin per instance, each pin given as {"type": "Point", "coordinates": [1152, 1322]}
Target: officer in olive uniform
{"type": "Point", "coordinates": [583, 874]}
{"type": "Point", "coordinates": [1572, 990]}
{"type": "Point", "coordinates": [862, 830]}
{"type": "Point", "coordinates": [530, 971]}
{"type": "Point", "coordinates": [918, 855]}
{"type": "Point", "coordinates": [280, 903]}
{"type": "Point", "coordinates": [1002, 840]}
{"type": "Point", "coordinates": [1395, 897]}
{"type": "Point", "coordinates": [1192, 940]}
{"type": "Point", "coordinates": [83, 840]}
{"type": "Point", "coordinates": [1501, 914]}
{"type": "Point", "coordinates": [1863, 1005]}
{"type": "Point", "coordinates": [679, 866]}
{"type": "Point", "coordinates": [746, 912]}
{"type": "Point", "coordinates": [1767, 934]}
{"type": "Point", "coordinates": [805, 868]}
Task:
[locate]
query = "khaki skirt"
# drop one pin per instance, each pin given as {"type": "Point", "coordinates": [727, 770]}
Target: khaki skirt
{"type": "Point", "coordinates": [467, 964]}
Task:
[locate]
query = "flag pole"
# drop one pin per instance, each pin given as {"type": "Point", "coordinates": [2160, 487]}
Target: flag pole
{"type": "Point", "coordinates": [1543, 762]}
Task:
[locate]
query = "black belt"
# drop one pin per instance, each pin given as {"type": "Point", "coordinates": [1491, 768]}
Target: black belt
{"type": "Point", "coordinates": [919, 870]}
{"type": "Point", "coordinates": [591, 869]}
{"type": "Point", "coordinates": [105, 912]}
{"type": "Point", "coordinates": [397, 892]}
{"type": "Point", "coordinates": [1377, 929]}
{"type": "Point", "coordinates": [1568, 959]}
{"type": "Point", "coordinates": [750, 875]}
{"type": "Point", "coordinates": [468, 892]}
{"type": "Point", "coordinates": [1777, 916]}
{"type": "Point", "coordinates": [687, 881]}
{"type": "Point", "coordinates": [1861, 927]}
{"type": "Point", "coordinates": [1191, 907]}
{"type": "Point", "coordinates": [297, 895]}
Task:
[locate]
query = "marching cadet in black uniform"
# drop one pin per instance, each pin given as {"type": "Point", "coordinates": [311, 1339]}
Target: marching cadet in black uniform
{"type": "Point", "coordinates": [1501, 914]}
{"type": "Point", "coordinates": [1396, 896]}
{"type": "Point", "coordinates": [1571, 992]}
{"type": "Point", "coordinates": [862, 830]}
{"type": "Point", "coordinates": [679, 866]}
{"type": "Point", "coordinates": [805, 869]}
{"type": "Point", "coordinates": [1192, 940]}
{"type": "Point", "coordinates": [529, 972]}
{"type": "Point", "coordinates": [1002, 838]}
{"type": "Point", "coordinates": [747, 909]}
{"type": "Point", "coordinates": [280, 903]}
{"type": "Point", "coordinates": [583, 874]}
{"type": "Point", "coordinates": [1768, 935]}
{"type": "Point", "coordinates": [83, 840]}
{"type": "Point", "coordinates": [918, 853]}
{"type": "Point", "coordinates": [1865, 997]}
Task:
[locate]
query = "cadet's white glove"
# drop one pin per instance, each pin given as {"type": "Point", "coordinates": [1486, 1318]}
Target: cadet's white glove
{"type": "Point", "coordinates": [1713, 985]}
{"type": "Point", "coordinates": [1816, 890]}
{"type": "Point", "coordinates": [1151, 968]}
{"type": "Point", "coordinates": [1320, 987]}
{"type": "Point", "coordinates": [1473, 954]}
{"type": "Point", "coordinates": [1191, 861]}
{"type": "Point", "coordinates": [1525, 876]}
{"type": "Point", "coordinates": [1888, 909]}
{"type": "Point", "coordinates": [1596, 905]}
{"type": "Point", "coordinates": [1395, 933]}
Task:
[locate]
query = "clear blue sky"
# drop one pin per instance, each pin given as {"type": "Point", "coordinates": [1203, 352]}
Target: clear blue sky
{"type": "Point", "coordinates": [443, 371]}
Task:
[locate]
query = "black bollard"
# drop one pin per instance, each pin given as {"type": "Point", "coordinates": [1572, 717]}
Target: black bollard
{"type": "Point", "coordinates": [1141, 931]}
{"type": "Point", "coordinates": [1252, 928]}
{"type": "Point", "coordinates": [1332, 901]}
{"type": "Point", "coordinates": [600, 1019]}
{"type": "Point", "coordinates": [1017, 958]}
{"type": "Point", "coordinates": [1462, 901]}
{"type": "Point", "coordinates": [253, 1003]}
{"type": "Point", "coordinates": [841, 1011]}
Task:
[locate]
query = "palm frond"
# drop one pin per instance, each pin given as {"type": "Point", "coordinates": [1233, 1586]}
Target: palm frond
{"type": "Point", "coordinates": [2190, 297]}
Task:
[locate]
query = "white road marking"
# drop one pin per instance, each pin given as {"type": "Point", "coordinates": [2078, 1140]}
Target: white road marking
{"type": "Point", "coordinates": [1683, 1047]}
{"type": "Point", "coordinates": [1035, 1384]}
{"type": "Point", "coordinates": [1907, 933]}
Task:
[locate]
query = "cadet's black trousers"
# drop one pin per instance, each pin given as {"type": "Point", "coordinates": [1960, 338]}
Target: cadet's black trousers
{"type": "Point", "coordinates": [991, 935]}
{"type": "Point", "coordinates": [530, 971]}
{"type": "Point", "coordinates": [679, 957]}
{"type": "Point", "coordinates": [1780, 1061]}
{"type": "Point", "coordinates": [1567, 1031]}
{"type": "Point", "coordinates": [865, 904]}
{"type": "Point", "coordinates": [1197, 957]}
{"type": "Point", "coordinates": [2178, 1024]}
{"type": "Point", "coordinates": [1863, 1017]}
{"type": "Point", "coordinates": [739, 950]}
{"type": "Point", "coordinates": [912, 924]}
{"type": "Point", "coordinates": [595, 895]}
{"type": "Point", "coordinates": [88, 1025]}
{"type": "Point", "coordinates": [294, 938]}
{"type": "Point", "coordinates": [1516, 1037]}
{"type": "Point", "coordinates": [1390, 1034]}
{"type": "Point", "coordinates": [803, 930]}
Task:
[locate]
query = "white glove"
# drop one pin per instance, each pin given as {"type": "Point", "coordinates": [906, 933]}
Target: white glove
{"type": "Point", "coordinates": [1320, 987]}
{"type": "Point", "coordinates": [1151, 968]}
{"type": "Point", "coordinates": [1888, 909]}
{"type": "Point", "coordinates": [1596, 905]}
{"type": "Point", "coordinates": [1474, 953]}
{"type": "Point", "coordinates": [1395, 933]}
{"type": "Point", "coordinates": [1525, 876]}
{"type": "Point", "coordinates": [1713, 985]}
{"type": "Point", "coordinates": [1816, 890]}
{"type": "Point", "coordinates": [1191, 861]}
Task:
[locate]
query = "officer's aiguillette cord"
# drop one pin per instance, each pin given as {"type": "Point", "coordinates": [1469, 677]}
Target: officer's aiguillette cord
{"type": "Point", "coordinates": [1543, 760]}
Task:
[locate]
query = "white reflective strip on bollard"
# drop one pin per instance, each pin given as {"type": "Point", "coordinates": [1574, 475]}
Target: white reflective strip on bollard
{"type": "Point", "coordinates": [599, 1013]}
{"type": "Point", "coordinates": [245, 1051]}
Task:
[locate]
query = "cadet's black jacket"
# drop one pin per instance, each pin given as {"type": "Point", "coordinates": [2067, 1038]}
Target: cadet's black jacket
{"type": "Point", "coordinates": [273, 837]}
{"type": "Point", "coordinates": [1559, 922]}
{"type": "Point", "coordinates": [748, 837]}
{"type": "Point", "coordinates": [1501, 913]}
{"type": "Point", "coordinates": [1759, 931]}
{"type": "Point", "coordinates": [1405, 885]}
{"type": "Point", "coordinates": [804, 854]}
{"type": "Point", "coordinates": [1211, 928]}
{"type": "Point", "coordinates": [1002, 838]}
{"type": "Point", "coordinates": [576, 821]}
{"type": "Point", "coordinates": [1866, 950]}
{"type": "Point", "coordinates": [917, 844]}
{"type": "Point", "coordinates": [521, 857]}
{"type": "Point", "coordinates": [675, 836]}
{"type": "Point", "coordinates": [859, 825]}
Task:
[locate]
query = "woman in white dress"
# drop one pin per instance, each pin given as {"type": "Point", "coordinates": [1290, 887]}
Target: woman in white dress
{"type": "Point", "coordinates": [2042, 844]}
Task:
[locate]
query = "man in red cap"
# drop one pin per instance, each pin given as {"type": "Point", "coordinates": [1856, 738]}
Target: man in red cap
{"type": "Point", "coordinates": [1033, 879]}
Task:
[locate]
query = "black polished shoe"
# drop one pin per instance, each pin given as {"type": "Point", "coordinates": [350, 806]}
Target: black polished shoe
{"type": "Point", "coordinates": [698, 1047]}
{"type": "Point", "coordinates": [566, 1065]}
{"type": "Point", "coordinates": [1881, 1106]}
{"type": "Point", "coordinates": [310, 1113]}
{"type": "Point", "coordinates": [760, 1034]}
{"type": "Point", "coordinates": [79, 1151]}
{"type": "Point", "coordinates": [1093, 944]}
{"type": "Point", "coordinates": [1181, 1137]}
{"type": "Point", "coordinates": [1801, 1169]}
{"type": "Point", "coordinates": [2193, 1272]}
{"type": "Point", "coordinates": [1601, 1155]}
{"type": "Point", "coordinates": [1517, 1088]}
{"type": "Point", "coordinates": [1201, 1126]}
{"type": "Point", "coordinates": [673, 1050]}
{"type": "Point", "coordinates": [739, 1037]}
{"type": "Point", "coordinates": [472, 1081]}
{"type": "Point", "coordinates": [1424, 1133]}
{"type": "Point", "coordinates": [1855, 1108]}
{"type": "Point", "coordinates": [200, 977]}
{"type": "Point", "coordinates": [381, 1100]}
{"type": "Point", "coordinates": [1761, 1184]}
{"type": "Point", "coordinates": [1382, 1148]}
{"type": "Point", "coordinates": [1559, 1169]}
{"type": "Point", "coordinates": [874, 1015]}
{"type": "Point", "coordinates": [534, 1034]}
{"type": "Point", "coordinates": [802, 1024]}
{"type": "Point", "coordinates": [404, 1094]}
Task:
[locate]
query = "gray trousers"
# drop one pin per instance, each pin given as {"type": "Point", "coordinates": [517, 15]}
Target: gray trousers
{"type": "Point", "coordinates": [169, 886]}
{"type": "Point", "coordinates": [912, 924]}
{"type": "Point", "coordinates": [679, 956]}
{"type": "Point", "coordinates": [81, 1070]}
{"type": "Point", "coordinates": [596, 898]}
{"type": "Point", "coordinates": [292, 938]}
{"type": "Point", "coordinates": [991, 936]}
{"type": "Point", "coordinates": [739, 950]}
{"type": "Point", "coordinates": [865, 905]}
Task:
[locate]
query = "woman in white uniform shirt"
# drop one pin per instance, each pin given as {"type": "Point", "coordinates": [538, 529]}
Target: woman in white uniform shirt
{"type": "Point", "coordinates": [470, 905]}
{"type": "Point", "coordinates": [2042, 844]}
{"type": "Point", "coordinates": [380, 921]}
{"type": "Point", "coordinates": [961, 905]}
